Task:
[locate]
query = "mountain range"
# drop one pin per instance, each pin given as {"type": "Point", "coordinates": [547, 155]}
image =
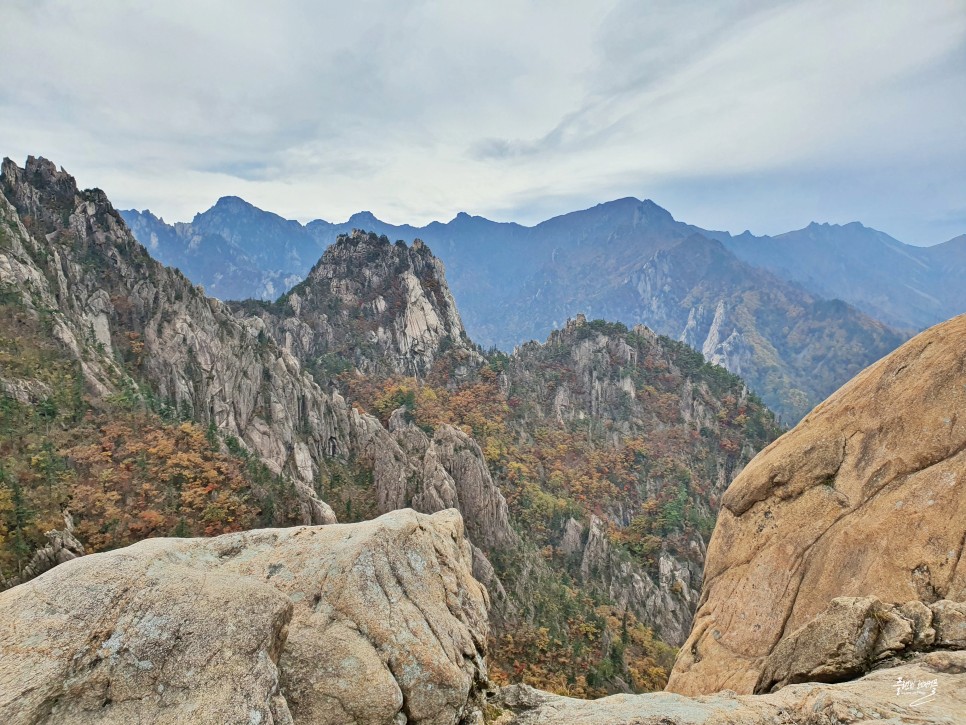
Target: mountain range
{"type": "Point", "coordinates": [547, 515]}
{"type": "Point", "coordinates": [906, 286]}
{"type": "Point", "coordinates": [588, 468]}
{"type": "Point", "coordinates": [766, 308]}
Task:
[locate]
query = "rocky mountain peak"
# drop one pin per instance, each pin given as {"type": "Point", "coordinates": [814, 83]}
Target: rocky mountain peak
{"type": "Point", "coordinates": [517, 283]}
{"type": "Point", "coordinates": [49, 202]}
{"type": "Point", "coordinates": [646, 210]}
{"type": "Point", "coordinates": [827, 229]}
{"type": "Point", "coordinates": [579, 320]}
{"type": "Point", "coordinates": [384, 306]}
{"type": "Point", "coordinates": [466, 222]}
{"type": "Point", "coordinates": [149, 216]}
{"type": "Point", "coordinates": [362, 219]}
{"type": "Point", "coordinates": [232, 204]}
{"type": "Point", "coordinates": [229, 206]}
{"type": "Point", "coordinates": [42, 174]}
{"type": "Point", "coordinates": [38, 183]}
{"type": "Point", "coordinates": [371, 260]}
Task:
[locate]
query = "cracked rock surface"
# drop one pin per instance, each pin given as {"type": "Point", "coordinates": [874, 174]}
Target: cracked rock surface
{"type": "Point", "coordinates": [864, 498]}
{"type": "Point", "coordinates": [378, 622]}
{"type": "Point", "coordinates": [853, 634]}
{"type": "Point", "coordinates": [929, 689]}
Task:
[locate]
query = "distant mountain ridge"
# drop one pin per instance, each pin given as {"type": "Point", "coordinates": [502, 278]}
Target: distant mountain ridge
{"type": "Point", "coordinates": [905, 286]}
{"type": "Point", "coordinates": [626, 260]}
{"type": "Point", "coordinates": [902, 285]}
{"type": "Point", "coordinates": [235, 250]}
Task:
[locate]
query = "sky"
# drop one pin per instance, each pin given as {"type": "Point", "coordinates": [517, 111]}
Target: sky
{"type": "Point", "coordinates": [731, 115]}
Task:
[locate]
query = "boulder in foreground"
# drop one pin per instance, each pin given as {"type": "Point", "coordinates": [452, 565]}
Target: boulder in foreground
{"type": "Point", "coordinates": [377, 622]}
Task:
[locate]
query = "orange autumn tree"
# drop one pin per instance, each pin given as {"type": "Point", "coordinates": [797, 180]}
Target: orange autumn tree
{"type": "Point", "coordinates": [141, 479]}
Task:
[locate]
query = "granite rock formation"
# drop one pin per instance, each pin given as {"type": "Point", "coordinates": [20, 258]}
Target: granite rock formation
{"type": "Point", "coordinates": [378, 622]}
{"type": "Point", "coordinates": [137, 328]}
{"type": "Point", "coordinates": [926, 690]}
{"type": "Point", "coordinates": [381, 308]}
{"type": "Point", "coordinates": [624, 388]}
{"type": "Point", "coordinates": [862, 499]}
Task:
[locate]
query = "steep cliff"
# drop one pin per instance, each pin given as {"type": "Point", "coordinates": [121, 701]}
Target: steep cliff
{"type": "Point", "coordinates": [792, 347]}
{"type": "Point", "coordinates": [643, 436]}
{"type": "Point", "coordinates": [141, 334]}
{"type": "Point", "coordinates": [69, 253]}
{"type": "Point", "coordinates": [612, 447]}
{"type": "Point", "coordinates": [862, 499]}
{"type": "Point", "coordinates": [588, 469]}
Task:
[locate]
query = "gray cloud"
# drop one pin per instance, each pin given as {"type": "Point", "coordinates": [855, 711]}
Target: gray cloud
{"type": "Point", "coordinates": [748, 113]}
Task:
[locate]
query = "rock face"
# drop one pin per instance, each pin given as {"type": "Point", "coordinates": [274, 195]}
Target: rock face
{"type": "Point", "coordinates": [688, 426]}
{"type": "Point", "coordinates": [135, 325]}
{"type": "Point", "coordinates": [930, 689]}
{"type": "Point", "coordinates": [787, 343]}
{"type": "Point", "coordinates": [105, 294]}
{"type": "Point", "coordinates": [382, 308]}
{"type": "Point", "coordinates": [447, 471]}
{"type": "Point", "coordinates": [379, 622]}
{"type": "Point", "coordinates": [862, 499]}
{"type": "Point", "coordinates": [61, 547]}
{"type": "Point", "coordinates": [460, 456]}
{"type": "Point", "coordinates": [666, 601]}
{"type": "Point", "coordinates": [855, 633]}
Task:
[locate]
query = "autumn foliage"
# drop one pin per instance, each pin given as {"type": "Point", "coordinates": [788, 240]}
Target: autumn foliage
{"type": "Point", "coordinates": [124, 471]}
{"type": "Point", "coordinates": [639, 434]}
{"type": "Point", "coordinates": [570, 434]}
{"type": "Point", "coordinates": [599, 644]}
{"type": "Point", "coordinates": [139, 479]}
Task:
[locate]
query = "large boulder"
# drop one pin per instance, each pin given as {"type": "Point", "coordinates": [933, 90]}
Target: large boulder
{"type": "Point", "coordinates": [855, 634]}
{"type": "Point", "coordinates": [379, 622]}
{"type": "Point", "coordinates": [864, 498]}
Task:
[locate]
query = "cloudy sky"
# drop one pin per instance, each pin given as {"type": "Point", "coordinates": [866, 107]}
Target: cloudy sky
{"type": "Point", "coordinates": [732, 115]}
